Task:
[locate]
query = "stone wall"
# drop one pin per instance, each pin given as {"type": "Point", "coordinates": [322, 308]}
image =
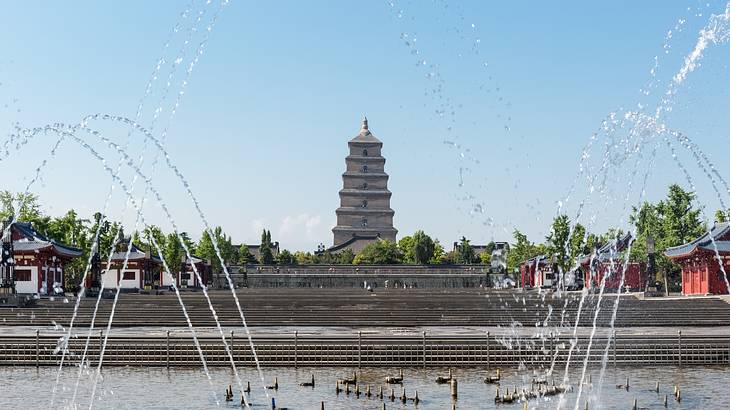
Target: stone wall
{"type": "Point", "coordinates": [350, 276]}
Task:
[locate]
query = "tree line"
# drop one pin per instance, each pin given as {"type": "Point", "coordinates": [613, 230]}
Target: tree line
{"type": "Point", "coordinates": [672, 221]}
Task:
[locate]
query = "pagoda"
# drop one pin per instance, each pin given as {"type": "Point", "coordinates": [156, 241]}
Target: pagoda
{"type": "Point", "coordinates": [364, 214]}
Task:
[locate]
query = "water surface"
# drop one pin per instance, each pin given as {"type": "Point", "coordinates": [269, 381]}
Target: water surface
{"type": "Point", "coordinates": [158, 388]}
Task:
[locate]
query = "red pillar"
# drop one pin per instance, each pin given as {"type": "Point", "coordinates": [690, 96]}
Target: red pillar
{"type": "Point", "coordinates": [39, 268]}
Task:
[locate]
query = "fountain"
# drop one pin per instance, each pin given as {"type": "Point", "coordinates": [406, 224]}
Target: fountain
{"type": "Point", "coordinates": [626, 135]}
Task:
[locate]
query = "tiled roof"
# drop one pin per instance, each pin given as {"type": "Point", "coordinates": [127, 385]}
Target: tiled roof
{"type": "Point", "coordinates": [34, 241]}
{"type": "Point", "coordinates": [30, 245]}
{"type": "Point", "coordinates": [610, 251]}
{"type": "Point", "coordinates": [135, 254]}
{"type": "Point", "coordinates": [195, 260]}
{"type": "Point", "coordinates": [352, 240]}
{"type": "Point", "coordinates": [533, 260]}
{"type": "Point", "coordinates": [722, 246]}
{"type": "Point", "coordinates": [703, 242]}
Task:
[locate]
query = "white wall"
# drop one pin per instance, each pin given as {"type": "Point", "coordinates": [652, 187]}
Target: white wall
{"type": "Point", "coordinates": [187, 282]}
{"type": "Point", "coordinates": [32, 285]}
{"type": "Point", "coordinates": [109, 279]}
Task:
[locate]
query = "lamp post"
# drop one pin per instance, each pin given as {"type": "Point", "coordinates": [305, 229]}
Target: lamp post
{"type": "Point", "coordinates": [650, 259]}
{"type": "Point", "coordinates": [7, 281]}
{"type": "Point", "coordinates": [147, 271]}
{"type": "Point", "coordinates": [95, 285]}
{"type": "Point", "coordinates": [557, 274]}
{"type": "Point", "coordinates": [184, 269]}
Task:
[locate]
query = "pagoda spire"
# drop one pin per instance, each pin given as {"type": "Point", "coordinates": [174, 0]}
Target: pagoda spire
{"type": "Point", "coordinates": [364, 126]}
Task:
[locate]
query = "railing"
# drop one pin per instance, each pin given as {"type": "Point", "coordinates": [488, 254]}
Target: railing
{"type": "Point", "coordinates": [370, 350]}
{"type": "Point", "coordinates": [361, 269]}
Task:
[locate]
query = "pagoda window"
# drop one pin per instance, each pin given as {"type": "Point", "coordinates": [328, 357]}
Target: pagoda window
{"type": "Point", "coordinates": [364, 203]}
{"type": "Point", "coordinates": [364, 185]}
{"type": "Point", "coordinates": [129, 275]}
{"type": "Point", "coordinates": [365, 168]}
{"type": "Point", "coordinates": [364, 222]}
{"type": "Point", "coordinates": [364, 153]}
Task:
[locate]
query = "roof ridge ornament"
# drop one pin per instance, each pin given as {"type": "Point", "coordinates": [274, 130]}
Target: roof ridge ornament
{"type": "Point", "coordinates": [364, 127]}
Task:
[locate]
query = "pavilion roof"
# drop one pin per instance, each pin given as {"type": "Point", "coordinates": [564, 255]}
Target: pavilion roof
{"type": "Point", "coordinates": [535, 259]}
{"type": "Point", "coordinates": [195, 260]}
{"type": "Point", "coordinates": [704, 242]}
{"type": "Point", "coordinates": [33, 241]}
{"type": "Point", "coordinates": [135, 254]}
{"type": "Point", "coordinates": [612, 250]}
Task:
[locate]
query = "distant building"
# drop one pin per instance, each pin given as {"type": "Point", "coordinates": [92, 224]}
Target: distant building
{"type": "Point", "coordinates": [364, 214]}
{"type": "Point", "coordinates": [608, 264]}
{"type": "Point", "coordinates": [478, 249]}
{"type": "Point", "coordinates": [701, 273]}
{"type": "Point", "coordinates": [255, 250]}
{"type": "Point", "coordinates": [37, 263]}
{"type": "Point", "coordinates": [188, 279]}
{"type": "Point", "coordinates": [537, 272]}
{"type": "Point", "coordinates": [502, 247]}
{"type": "Point", "coordinates": [142, 270]}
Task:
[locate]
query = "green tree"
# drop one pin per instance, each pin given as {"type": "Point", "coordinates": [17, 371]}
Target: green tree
{"type": "Point", "coordinates": [558, 242]}
{"type": "Point", "coordinates": [69, 229]}
{"type": "Point", "coordinates": [464, 253]}
{"type": "Point", "coordinates": [721, 216]}
{"type": "Point", "coordinates": [346, 257]}
{"type": "Point", "coordinates": [73, 231]}
{"type": "Point", "coordinates": [25, 207]}
{"type": "Point", "coordinates": [485, 257]}
{"type": "Point", "coordinates": [188, 242]}
{"type": "Point", "coordinates": [681, 219]}
{"type": "Point", "coordinates": [244, 255]}
{"type": "Point", "coordinates": [229, 253]}
{"type": "Point", "coordinates": [149, 232]}
{"type": "Point", "coordinates": [325, 258]}
{"type": "Point", "coordinates": [108, 234]}
{"type": "Point", "coordinates": [438, 253]}
{"type": "Point", "coordinates": [266, 256]}
{"type": "Point", "coordinates": [671, 222]}
{"type": "Point", "coordinates": [173, 253]}
{"type": "Point", "coordinates": [521, 250]}
{"type": "Point", "coordinates": [577, 242]}
{"type": "Point", "coordinates": [380, 252]}
{"type": "Point", "coordinates": [286, 258]}
{"type": "Point", "coordinates": [592, 242]}
{"type": "Point", "coordinates": [207, 251]}
{"type": "Point", "coordinates": [418, 248]}
{"type": "Point", "coordinates": [423, 248]}
{"type": "Point", "coordinates": [406, 248]}
{"type": "Point", "coordinates": [304, 258]}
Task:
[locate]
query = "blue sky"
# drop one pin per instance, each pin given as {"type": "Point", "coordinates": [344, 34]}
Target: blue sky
{"type": "Point", "coordinates": [483, 116]}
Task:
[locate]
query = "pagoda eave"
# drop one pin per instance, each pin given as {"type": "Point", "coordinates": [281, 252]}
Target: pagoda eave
{"type": "Point", "coordinates": [363, 211]}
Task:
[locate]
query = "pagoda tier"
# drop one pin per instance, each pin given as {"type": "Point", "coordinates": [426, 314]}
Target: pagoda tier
{"type": "Point", "coordinates": [364, 214]}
